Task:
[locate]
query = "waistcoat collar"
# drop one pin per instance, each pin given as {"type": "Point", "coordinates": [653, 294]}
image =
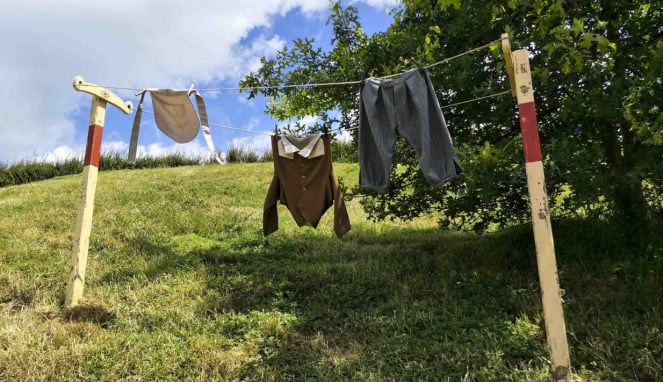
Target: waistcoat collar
{"type": "Point", "coordinates": [309, 146]}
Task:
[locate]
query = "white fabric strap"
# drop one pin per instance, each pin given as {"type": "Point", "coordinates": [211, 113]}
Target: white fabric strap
{"type": "Point", "coordinates": [133, 143]}
{"type": "Point", "coordinates": [204, 124]}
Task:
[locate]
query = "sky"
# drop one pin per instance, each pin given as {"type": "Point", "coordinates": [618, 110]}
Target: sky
{"type": "Point", "coordinates": [138, 44]}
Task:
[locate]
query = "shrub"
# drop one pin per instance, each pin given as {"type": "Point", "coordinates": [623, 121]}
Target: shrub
{"type": "Point", "coordinates": [245, 154]}
{"type": "Point", "coordinates": [344, 152]}
{"type": "Point", "coordinates": [26, 172]}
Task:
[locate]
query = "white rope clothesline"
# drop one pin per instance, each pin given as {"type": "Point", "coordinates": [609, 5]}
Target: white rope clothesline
{"type": "Point", "coordinates": [298, 86]}
{"type": "Point", "coordinates": [226, 126]}
{"type": "Point", "coordinates": [447, 60]}
{"type": "Point", "coordinates": [237, 128]}
{"type": "Point", "coordinates": [354, 128]}
{"type": "Point", "coordinates": [476, 99]}
{"type": "Point", "coordinates": [312, 85]}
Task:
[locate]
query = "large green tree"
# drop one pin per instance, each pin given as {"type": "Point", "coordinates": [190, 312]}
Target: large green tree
{"type": "Point", "coordinates": [597, 72]}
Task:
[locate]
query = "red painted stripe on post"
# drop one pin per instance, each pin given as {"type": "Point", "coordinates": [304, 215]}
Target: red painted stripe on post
{"type": "Point", "coordinates": [530, 132]}
{"type": "Point", "coordinates": [93, 148]}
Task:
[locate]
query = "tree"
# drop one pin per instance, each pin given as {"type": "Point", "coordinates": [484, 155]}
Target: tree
{"type": "Point", "coordinates": [597, 75]}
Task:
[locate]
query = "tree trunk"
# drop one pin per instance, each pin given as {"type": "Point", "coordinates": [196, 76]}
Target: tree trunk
{"type": "Point", "coordinates": [621, 146]}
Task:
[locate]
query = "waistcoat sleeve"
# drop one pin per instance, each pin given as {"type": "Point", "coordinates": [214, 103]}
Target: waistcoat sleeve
{"type": "Point", "coordinates": [341, 218]}
{"type": "Point", "coordinates": [270, 216]}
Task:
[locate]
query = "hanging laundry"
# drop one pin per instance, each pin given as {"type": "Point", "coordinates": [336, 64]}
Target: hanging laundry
{"type": "Point", "coordinates": [405, 105]}
{"type": "Point", "coordinates": [305, 182]}
{"type": "Point", "coordinates": [176, 117]}
{"type": "Point", "coordinates": [204, 126]}
{"type": "Point", "coordinates": [135, 129]}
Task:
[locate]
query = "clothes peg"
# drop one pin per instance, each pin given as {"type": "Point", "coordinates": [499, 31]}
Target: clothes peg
{"type": "Point", "coordinates": [191, 88]}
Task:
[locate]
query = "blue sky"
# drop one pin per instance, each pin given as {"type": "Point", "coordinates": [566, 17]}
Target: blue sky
{"type": "Point", "coordinates": [163, 44]}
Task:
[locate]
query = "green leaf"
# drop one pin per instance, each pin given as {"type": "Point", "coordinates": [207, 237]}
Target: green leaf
{"type": "Point", "coordinates": [602, 42]}
{"type": "Point", "coordinates": [578, 26]}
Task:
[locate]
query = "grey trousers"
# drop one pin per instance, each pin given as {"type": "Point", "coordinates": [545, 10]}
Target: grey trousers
{"type": "Point", "coordinates": [406, 106]}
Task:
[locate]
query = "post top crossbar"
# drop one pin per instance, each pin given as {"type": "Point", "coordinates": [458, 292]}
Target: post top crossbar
{"type": "Point", "coordinates": [104, 94]}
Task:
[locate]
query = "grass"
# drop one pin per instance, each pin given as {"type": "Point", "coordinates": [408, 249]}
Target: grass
{"type": "Point", "coordinates": [181, 285]}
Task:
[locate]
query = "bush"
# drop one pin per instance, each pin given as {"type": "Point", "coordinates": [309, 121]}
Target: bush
{"type": "Point", "coordinates": [246, 154]}
{"type": "Point", "coordinates": [26, 172]}
{"type": "Point", "coordinates": [344, 152]}
{"type": "Point", "coordinates": [4, 177]}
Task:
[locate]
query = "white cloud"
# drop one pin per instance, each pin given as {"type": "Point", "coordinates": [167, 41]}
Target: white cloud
{"type": "Point", "coordinates": [154, 150]}
{"type": "Point", "coordinates": [382, 3]}
{"type": "Point", "coordinates": [61, 154]}
{"type": "Point", "coordinates": [161, 43]}
{"type": "Point", "coordinates": [259, 141]}
{"type": "Point", "coordinates": [344, 136]}
{"type": "Point", "coordinates": [148, 43]}
{"type": "Point", "coordinates": [113, 147]}
{"type": "Point", "coordinates": [308, 120]}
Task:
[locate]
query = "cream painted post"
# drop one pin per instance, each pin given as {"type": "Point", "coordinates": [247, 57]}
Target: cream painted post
{"type": "Point", "coordinates": [100, 97]}
{"type": "Point", "coordinates": [508, 62]}
{"type": "Point", "coordinates": [553, 312]}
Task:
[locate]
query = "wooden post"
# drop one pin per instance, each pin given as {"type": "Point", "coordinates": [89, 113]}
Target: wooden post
{"type": "Point", "coordinates": [545, 249]}
{"type": "Point", "coordinates": [100, 97]}
{"type": "Point", "coordinates": [508, 62]}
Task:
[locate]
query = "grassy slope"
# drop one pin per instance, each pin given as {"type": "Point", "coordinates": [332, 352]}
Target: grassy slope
{"type": "Point", "coordinates": [182, 286]}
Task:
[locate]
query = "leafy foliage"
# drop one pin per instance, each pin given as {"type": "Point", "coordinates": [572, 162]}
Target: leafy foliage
{"type": "Point", "coordinates": [597, 69]}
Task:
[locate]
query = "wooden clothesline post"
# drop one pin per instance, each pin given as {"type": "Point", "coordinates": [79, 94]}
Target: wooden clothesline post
{"type": "Point", "coordinates": [518, 69]}
{"type": "Point", "coordinates": [100, 97]}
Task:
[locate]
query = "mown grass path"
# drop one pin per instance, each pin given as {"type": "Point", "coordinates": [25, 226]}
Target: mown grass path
{"type": "Point", "coordinates": [181, 285]}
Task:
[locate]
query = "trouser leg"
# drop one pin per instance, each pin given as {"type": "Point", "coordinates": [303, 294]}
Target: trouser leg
{"type": "Point", "coordinates": [377, 136]}
{"type": "Point", "coordinates": [421, 122]}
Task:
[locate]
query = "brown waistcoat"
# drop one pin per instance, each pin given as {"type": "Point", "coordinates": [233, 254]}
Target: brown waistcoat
{"type": "Point", "coordinates": [308, 187]}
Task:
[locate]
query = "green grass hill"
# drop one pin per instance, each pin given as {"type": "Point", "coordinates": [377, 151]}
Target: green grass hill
{"type": "Point", "coordinates": [181, 285]}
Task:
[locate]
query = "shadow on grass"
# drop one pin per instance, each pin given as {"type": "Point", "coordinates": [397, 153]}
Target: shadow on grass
{"type": "Point", "coordinates": [17, 298]}
{"type": "Point", "coordinates": [412, 304]}
{"type": "Point", "coordinates": [93, 313]}
{"type": "Point", "coordinates": [406, 304]}
{"type": "Point", "coordinates": [164, 257]}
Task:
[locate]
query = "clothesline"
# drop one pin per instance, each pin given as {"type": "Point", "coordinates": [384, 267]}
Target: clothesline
{"type": "Point", "coordinates": [446, 60]}
{"type": "Point", "coordinates": [226, 126]}
{"type": "Point", "coordinates": [476, 99]}
{"type": "Point", "coordinates": [324, 84]}
{"type": "Point", "coordinates": [237, 128]}
{"type": "Point", "coordinates": [354, 128]}
{"type": "Point", "coordinates": [312, 85]}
